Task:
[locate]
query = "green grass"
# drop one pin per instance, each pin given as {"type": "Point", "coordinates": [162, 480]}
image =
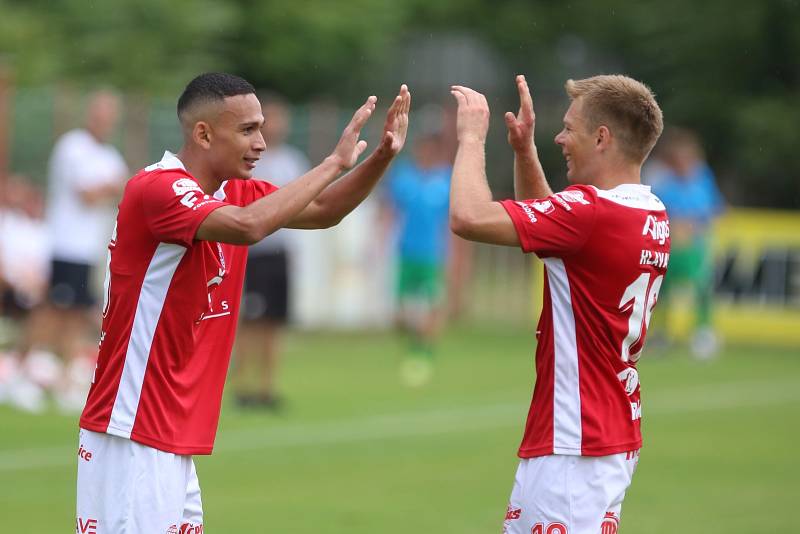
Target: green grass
{"type": "Point", "coordinates": [356, 452]}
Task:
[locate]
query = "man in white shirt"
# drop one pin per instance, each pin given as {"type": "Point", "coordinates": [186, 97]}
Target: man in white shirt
{"type": "Point", "coordinates": [85, 176]}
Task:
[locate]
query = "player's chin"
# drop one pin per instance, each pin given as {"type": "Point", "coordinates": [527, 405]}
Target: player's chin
{"type": "Point", "coordinates": [245, 171]}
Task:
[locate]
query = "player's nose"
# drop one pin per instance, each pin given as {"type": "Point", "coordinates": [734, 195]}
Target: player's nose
{"type": "Point", "coordinates": [259, 143]}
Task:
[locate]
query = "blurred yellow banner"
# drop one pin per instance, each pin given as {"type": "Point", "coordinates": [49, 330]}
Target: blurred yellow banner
{"type": "Point", "coordinates": [757, 281]}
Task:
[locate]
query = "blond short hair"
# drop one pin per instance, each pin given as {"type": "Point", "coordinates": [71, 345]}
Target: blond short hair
{"type": "Point", "coordinates": [625, 106]}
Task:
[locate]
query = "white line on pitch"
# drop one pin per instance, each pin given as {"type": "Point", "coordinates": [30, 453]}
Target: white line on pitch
{"type": "Point", "coordinates": [433, 422]}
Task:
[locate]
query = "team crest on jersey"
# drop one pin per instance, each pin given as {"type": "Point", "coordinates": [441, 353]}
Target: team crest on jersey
{"type": "Point", "coordinates": [610, 524]}
{"type": "Point", "coordinates": [185, 185]}
{"type": "Point", "coordinates": [630, 380]}
{"type": "Point", "coordinates": [173, 530]}
{"type": "Point", "coordinates": [543, 206]}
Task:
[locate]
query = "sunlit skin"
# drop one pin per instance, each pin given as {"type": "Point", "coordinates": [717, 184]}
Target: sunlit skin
{"type": "Point", "coordinates": [230, 139]}
{"type": "Point", "coordinates": [578, 144]}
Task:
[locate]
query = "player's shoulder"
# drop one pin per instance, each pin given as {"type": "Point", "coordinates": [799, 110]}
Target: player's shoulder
{"type": "Point", "coordinates": [163, 176]}
{"type": "Point", "coordinates": [579, 196]}
{"type": "Point", "coordinates": [633, 196]}
{"type": "Point", "coordinates": [241, 192]}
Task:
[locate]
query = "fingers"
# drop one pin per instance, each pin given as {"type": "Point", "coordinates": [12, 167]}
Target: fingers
{"type": "Point", "coordinates": [406, 94]}
{"type": "Point", "coordinates": [363, 113]}
{"type": "Point", "coordinates": [511, 119]}
{"type": "Point", "coordinates": [525, 100]}
{"type": "Point", "coordinates": [470, 96]}
{"type": "Point", "coordinates": [361, 146]}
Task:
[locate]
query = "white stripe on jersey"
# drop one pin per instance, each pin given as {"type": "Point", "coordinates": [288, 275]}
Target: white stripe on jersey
{"type": "Point", "coordinates": [155, 285]}
{"type": "Point", "coordinates": [567, 434]}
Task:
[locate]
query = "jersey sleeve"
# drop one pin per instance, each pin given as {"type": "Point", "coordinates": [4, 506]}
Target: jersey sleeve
{"type": "Point", "coordinates": [259, 189]}
{"type": "Point", "coordinates": [175, 206]}
{"type": "Point", "coordinates": [556, 226]}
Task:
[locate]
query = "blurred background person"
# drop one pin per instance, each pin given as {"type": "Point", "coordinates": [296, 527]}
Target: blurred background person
{"type": "Point", "coordinates": [86, 175]}
{"type": "Point", "coordinates": [418, 198]}
{"type": "Point", "coordinates": [24, 268]}
{"type": "Point", "coordinates": [265, 310]}
{"type": "Point", "coordinates": [686, 184]}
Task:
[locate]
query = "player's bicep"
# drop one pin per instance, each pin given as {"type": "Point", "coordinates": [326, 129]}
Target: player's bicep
{"type": "Point", "coordinates": [486, 222]}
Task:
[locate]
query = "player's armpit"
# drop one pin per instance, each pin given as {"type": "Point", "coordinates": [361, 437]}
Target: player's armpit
{"type": "Point", "coordinates": [486, 222]}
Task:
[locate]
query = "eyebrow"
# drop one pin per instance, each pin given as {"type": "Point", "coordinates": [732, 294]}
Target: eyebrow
{"type": "Point", "coordinates": [249, 124]}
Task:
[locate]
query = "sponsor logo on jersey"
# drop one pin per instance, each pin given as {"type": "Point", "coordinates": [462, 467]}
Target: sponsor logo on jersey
{"type": "Point", "coordinates": [83, 454]}
{"type": "Point", "coordinates": [658, 230]}
{"type": "Point", "coordinates": [173, 529]}
{"type": "Point", "coordinates": [630, 380]}
{"type": "Point", "coordinates": [575, 197]}
{"type": "Point", "coordinates": [182, 186]}
{"type": "Point", "coordinates": [189, 528]}
{"type": "Point", "coordinates": [513, 513]}
{"type": "Point", "coordinates": [610, 524]}
{"type": "Point", "coordinates": [563, 203]}
{"type": "Point", "coordinates": [206, 200]}
{"type": "Point", "coordinates": [543, 206]}
{"type": "Point", "coordinates": [636, 410]}
{"type": "Point", "coordinates": [85, 526]}
{"type": "Point", "coordinates": [528, 211]}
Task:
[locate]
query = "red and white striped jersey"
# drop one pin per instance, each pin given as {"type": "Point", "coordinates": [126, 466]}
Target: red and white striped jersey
{"type": "Point", "coordinates": [605, 255]}
{"type": "Point", "coordinates": [170, 312]}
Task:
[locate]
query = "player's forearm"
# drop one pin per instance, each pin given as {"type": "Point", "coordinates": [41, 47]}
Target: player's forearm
{"type": "Point", "coordinates": [529, 179]}
{"type": "Point", "coordinates": [252, 223]}
{"type": "Point", "coordinates": [468, 186]}
{"type": "Point", "coordinates": [342, 197]}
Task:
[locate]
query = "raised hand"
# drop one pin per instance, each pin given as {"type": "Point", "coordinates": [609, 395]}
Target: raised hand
{"type": "Point", "coordinates": [472, 119]}
{"type": "Point", "coordinates": [349, 147]}
{"type": "Point", "coordinates": [396, 126]}
{"type": "Point", "coordinates": [521, 126]}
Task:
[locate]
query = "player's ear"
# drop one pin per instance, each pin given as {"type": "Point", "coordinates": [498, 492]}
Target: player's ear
{"type": "Point", "coordinates": [602, 137]}
{"type": "Point", "coordinates": [201, 134]}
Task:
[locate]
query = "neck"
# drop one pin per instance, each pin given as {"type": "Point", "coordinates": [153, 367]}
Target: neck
{"type": "Point", "coordinates": [628, 173]}
{"type": "Point", "coordinates": [94, 133]}
{"type": "Point", "coordinates": [199, 169]}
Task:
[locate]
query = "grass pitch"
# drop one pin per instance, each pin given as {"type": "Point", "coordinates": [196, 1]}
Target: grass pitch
{"type": "Point", "coordinates": [356, 452]}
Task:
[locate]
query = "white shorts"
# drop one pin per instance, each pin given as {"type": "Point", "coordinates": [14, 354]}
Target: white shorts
{"type": "Point", "coordinates": [125, 487]}
{"type": "Point", "coordinates": [561, 494]}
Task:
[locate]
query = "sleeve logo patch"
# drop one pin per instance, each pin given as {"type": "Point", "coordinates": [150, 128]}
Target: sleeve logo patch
{"type": "Point", "coordinates": [543, 206]}
{"type": "Point", "coordinates": [185, 185]}
{"type": "Point", "coordinates": [528, 211]}
{"type": "Point", "coordinates": [572, 196]}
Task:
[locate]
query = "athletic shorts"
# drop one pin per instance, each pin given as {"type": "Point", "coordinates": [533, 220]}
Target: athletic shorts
{"type": "Point", "coordinates": [125, 487]}
{"type": "Point", "coordinates": [69, 285]}
{"type": "Point", "coordinates": [420, 280]}
{"type": "Point", "coordinates": [266, 288]}
{"type": "Point", "coordinates": [561, 494]}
